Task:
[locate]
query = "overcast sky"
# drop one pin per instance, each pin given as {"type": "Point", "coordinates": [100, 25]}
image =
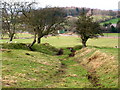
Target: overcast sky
{"type": "Point", "coordinates": [99, 4]}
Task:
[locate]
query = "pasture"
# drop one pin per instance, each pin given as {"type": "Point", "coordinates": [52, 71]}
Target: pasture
{"type": "Point", "coordinates": [99, 17]}
{"type": "Point", "coordinates": [70, 41]}
{"type": "Point", "coordinates": [42, 68]}
{"type": "Point", "coordinates": [19, 35]}
{"type": "Point", "coordinates": [113, 21]}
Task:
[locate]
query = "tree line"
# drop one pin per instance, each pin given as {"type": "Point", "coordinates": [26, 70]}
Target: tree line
{"type": "Point", "coordinates": [75, 11]}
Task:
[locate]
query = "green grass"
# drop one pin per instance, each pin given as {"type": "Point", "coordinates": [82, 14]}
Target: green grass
{"type": "Point", "coordinates": [111, 34]}
{"type": "Point", "coordinates": [23, 35]}
{"type": "Point", "coordinates": [99, 17]}
{"type": "Point", "coordinates": [58, 41]}
{"type": "Point", "coordinates": [43, 48]}
{"type": "Point", "coordinates": [102, 62]}
{"type": "Point", "coordinates": [43, 69]}
{"type": "Point", "coordinates": [28, 69]}
{"type": "Point", "coordinates": [70, 41]}
{"type": "Point", "coordinates": [20, 35]}
{"type": "Point", "coordinates": [113, 21]}
{"type": "Point", "coordinates": [103, 42]}
{"type": "Point", "coordinates": [40, 69]}
{"type": "Point", "coordinates": [74, 77]}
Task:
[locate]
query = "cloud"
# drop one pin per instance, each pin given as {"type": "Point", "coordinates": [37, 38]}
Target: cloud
{"type": "Point", "coordinates": [100, 4]}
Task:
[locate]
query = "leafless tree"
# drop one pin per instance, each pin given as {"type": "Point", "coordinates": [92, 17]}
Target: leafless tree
{"type": "Point", "coordinates": [10, 14]}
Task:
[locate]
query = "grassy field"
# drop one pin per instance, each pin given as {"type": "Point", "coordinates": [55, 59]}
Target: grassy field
{"type": "Point", "coordinates": [98, 17]}
{"type": "Point", "coordinates": [113, 21]}
{"type": "Point", "coordinates": [20, 35]}
{"type": "Point", "coordinates": [66, 41]}
{"type": "Point", "coordinates": [111, 34]}
{"type": "Point", "coordinates": [42, 68]}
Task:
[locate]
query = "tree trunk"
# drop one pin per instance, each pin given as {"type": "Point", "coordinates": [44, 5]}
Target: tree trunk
{"type": "Point", "coordinates": [84, 42]}
{"type": "Point", "coordinates": [34, 41]}
{"type": "Point", "coordinates": [39, 40]}
{"type": "Point", "coordinates": [11, 36]}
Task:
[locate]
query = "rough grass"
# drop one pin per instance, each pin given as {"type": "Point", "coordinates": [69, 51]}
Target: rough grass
{"type": "Point", "coordinates": [27, 69]}
{"type": "Point", "coordinates": [37, 69]}
{"type": "Point", "coordinates": [102, 66]}
{"type": "Point", "coordinates": [42, 69]}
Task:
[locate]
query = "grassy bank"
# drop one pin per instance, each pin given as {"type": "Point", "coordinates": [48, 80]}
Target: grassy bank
{"type": "Point", "coordinates": [27, 69]}
{"type": "Point", "coordinates": [102, 68]}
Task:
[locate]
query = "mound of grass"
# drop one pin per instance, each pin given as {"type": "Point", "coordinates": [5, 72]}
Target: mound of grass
{"type": "Point", "coordinates": [43, 48]}
{"type": "Point", "coordinates": [14, 46]}
{"type": "Point", "coordinates": [102, 68]}
{"type": "Point", "coordinates": [27, 69]}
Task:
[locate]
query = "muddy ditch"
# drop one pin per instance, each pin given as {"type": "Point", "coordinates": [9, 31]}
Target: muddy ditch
{"type": "Point", "coordinates": [94, 79]}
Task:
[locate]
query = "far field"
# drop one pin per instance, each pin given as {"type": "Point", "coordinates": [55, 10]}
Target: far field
{"type": "Point", "coordinates": [98, 17]}
{"type": "Point", "coordinates": [113, 21]}
{"type": "Point", "coordinates": [66, 41]}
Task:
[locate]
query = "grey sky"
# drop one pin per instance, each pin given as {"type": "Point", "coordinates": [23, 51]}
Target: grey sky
{"type": "Point", "coordinates": [100, 4]}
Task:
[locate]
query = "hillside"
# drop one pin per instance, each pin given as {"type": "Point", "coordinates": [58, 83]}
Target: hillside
{"type": "Point", "coordinates": [27, 69]}
{"type": "Point", "coordinates": [41, 68]}
{"type": "Point", "coordinates": [113, 21]}
{"type": "Point", "coordinates": [102, 67]}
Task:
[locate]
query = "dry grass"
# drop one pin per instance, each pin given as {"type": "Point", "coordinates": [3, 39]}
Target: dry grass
{"type": "Point", "coordinates": [104, 65]}
{"type": "Point", "coordinates": [9, 80]}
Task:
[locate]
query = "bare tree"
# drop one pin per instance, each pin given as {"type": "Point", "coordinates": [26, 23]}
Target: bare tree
{"type": "Point", "coordinates": [10, 13]}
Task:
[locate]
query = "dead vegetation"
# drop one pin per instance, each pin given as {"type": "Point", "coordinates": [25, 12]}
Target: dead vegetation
{"type": "Point", "coordinates": [99, 65]}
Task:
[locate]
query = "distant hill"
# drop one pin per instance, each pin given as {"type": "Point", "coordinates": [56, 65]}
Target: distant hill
{"type": "Point", "coordinates": [75, 11]}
